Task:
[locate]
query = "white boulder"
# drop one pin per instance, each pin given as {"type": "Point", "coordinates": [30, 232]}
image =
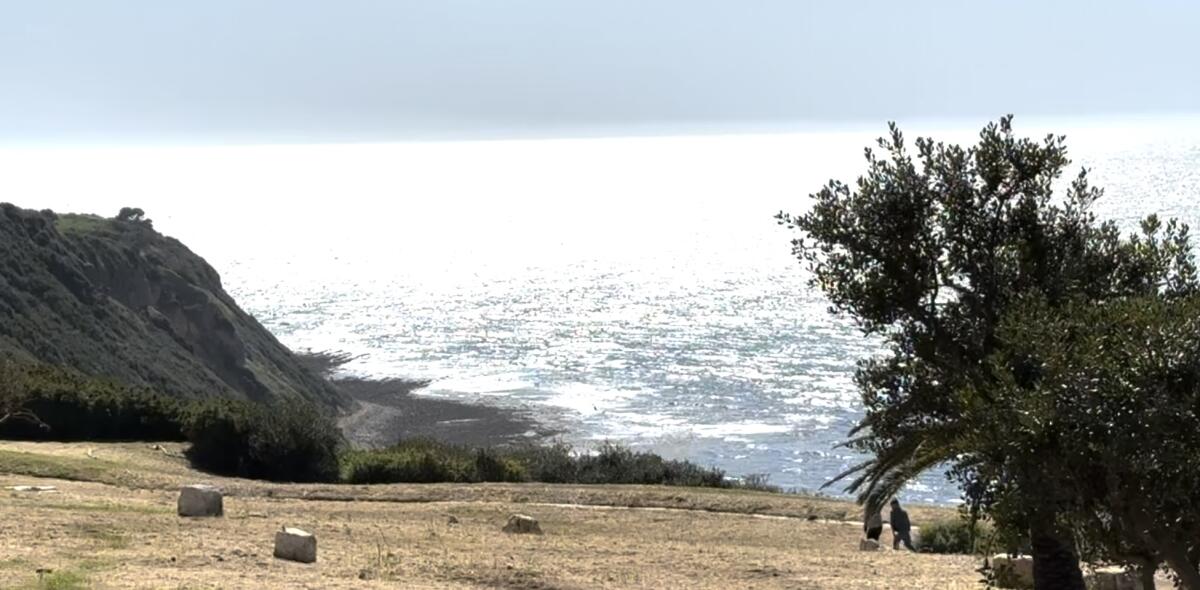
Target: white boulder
{"type": "Point", "coordinates": [522, 524]}
{"type": "Point", "coordinates": [295, 545]}
{"type": "Point", "coordinates": [1113, 578]}
{"type": "Point", "coordinates": [1011, 571]}
{"type": "Point", "coordinates": [200, 500]}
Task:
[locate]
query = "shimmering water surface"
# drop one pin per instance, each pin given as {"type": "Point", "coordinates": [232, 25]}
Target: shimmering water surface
{"type": "Point", "coordinates": [634, 290]}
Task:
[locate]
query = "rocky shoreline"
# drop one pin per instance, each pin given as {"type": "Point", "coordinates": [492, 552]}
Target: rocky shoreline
{"type": "Point", "coordinates": [387, 410]}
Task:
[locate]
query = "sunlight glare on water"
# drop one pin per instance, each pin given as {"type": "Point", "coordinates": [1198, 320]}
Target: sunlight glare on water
{"type": "Point", "coordinates": [635, 289]}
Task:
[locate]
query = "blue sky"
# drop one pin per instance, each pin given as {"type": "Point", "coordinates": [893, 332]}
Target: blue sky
{"type": "Point", "coordinates": [135, 71]}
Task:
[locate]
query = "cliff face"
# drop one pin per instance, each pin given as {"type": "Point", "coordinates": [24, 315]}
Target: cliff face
{"type": "Point", "coordinates": [116, 298]}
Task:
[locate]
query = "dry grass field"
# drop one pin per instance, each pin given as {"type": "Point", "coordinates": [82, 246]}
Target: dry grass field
{"type": "Point", "coordinates": [111, 523]}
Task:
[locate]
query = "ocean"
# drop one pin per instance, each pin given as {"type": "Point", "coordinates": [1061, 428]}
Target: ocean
{"type": "Point", "coordinates": [634, 290]}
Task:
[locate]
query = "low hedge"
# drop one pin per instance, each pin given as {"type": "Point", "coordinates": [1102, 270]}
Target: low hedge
{"type": "Point", "coordinates": [288, 441]}
{"type": "Point", "coordinates": [426, 461]}
{"type": "Point", "coordinates": [955, 537]}
{"type": "Point", "coordinates": [293, 441]}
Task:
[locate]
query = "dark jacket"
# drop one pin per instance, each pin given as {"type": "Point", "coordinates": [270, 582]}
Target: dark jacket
{"type": "Point", "coordinates": [899, 521]}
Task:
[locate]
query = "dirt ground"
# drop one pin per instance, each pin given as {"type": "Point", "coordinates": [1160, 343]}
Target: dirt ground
{"type": "Point", "coordinates": [111, 523]}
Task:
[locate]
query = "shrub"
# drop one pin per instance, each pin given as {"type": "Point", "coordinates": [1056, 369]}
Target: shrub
{"type": "Point", "coordinates": [293, 441]}
{"type": "Point", "coordinates": [72, 407]}
{"type": "Point", "coordinates": [491, 465]}
{"type": "Point", "coordinates": [548, 463]}
{"type": "Point", "coordinates": [427, 461]}
{"type": "Point", "coordinates": [288, 441]}
{"type": "Point", "coordinates": [615, 464]}
{"type": "Point", "coordinates": [955, 536]}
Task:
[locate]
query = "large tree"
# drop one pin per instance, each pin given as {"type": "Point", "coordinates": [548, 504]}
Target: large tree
{"type": "Point", "coordinates": [935, 252]}
{"type": "Point", "coordinates": [1110, 424]}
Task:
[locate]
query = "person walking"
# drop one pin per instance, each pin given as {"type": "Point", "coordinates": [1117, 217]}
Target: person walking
{"type": "Point", "coordinates": [901, 527]}
{"type": "Point", "coordinates": [873, 524]}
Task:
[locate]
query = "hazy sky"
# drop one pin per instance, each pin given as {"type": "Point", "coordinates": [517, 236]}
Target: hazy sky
{"type": "Point", "coordinates": [136, 71]}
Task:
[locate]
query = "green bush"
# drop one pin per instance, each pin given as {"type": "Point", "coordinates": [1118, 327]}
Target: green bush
{"type": "Point", "coordinates": [427, 461]}
{"type": "Point", "coordinates": [288, 441]}
{"type": "Point", "coordinates": [616, 464]}
{"type": "Point", "coordinates": [955, 536]}
{"type": "Point", "coordinates": [72, 407]}
{"type": "Point", "coordinates": [293, 441]}
{"type": "Point", "coordinates": [552, 463]}
{"type": "Point", "coordinates": [492, 465]}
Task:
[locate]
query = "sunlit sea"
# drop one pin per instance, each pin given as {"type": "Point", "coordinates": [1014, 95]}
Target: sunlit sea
{"type": "Point", "coordinates": [633, 289]}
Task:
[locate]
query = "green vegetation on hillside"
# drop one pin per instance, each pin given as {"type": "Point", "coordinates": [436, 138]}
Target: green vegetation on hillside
{"type": "Point", "coordinates": [114, 298]}
{"type": "Point", "coordinates": [295, 442]}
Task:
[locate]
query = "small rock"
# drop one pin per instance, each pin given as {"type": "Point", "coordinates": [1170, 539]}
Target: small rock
{"type": "Point", "coordinates": [811, 518]}
{"type": "Point", "coordinates": [1011, 571]}
{"type": "Point", "coordinates": [868, 545]}
{"type": "Point", "coordinates": [452, 520]}
{"type": "Point", "coordinates": [1112, 578]}
{"type": "Point", "coordinates": [295, 545]}
{"type": "Point", "coordinates": [522, 524]}
{"type": "Point", "coordinates": [200, 500]}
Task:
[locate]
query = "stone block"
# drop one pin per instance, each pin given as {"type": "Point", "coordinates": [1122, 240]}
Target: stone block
{"type": "Point", "coordinates": [295, 545]}
{"type": "Point", "coordinates": [200, 500]}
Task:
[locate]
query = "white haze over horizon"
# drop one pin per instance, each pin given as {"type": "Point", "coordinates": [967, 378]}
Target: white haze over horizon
{"type": "Point", "coordinates": [498, 202]}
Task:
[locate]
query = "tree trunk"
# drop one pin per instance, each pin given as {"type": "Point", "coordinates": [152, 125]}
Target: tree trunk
{"type": "Point", "coordinates": [1173, 554]}
{"type": "Point", "coordinates": [1147, 575]}
{"type": "Point", "coordinates": [1055, 565]}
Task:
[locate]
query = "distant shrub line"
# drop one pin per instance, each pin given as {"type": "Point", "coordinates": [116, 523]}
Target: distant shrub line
{"type": "Point", "coordinates": [280, 442]}
{"type": "Point", "coordinates": [431, 461]}
{"type": "Point", "coordinates": [294, 442]}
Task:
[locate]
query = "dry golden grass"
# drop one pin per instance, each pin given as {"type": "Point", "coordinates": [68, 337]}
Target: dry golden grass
{"type": "Point", "coordinates": [115, 527]}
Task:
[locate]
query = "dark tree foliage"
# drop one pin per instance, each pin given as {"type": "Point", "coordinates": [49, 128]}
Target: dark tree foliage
{"type": "Point", "coordinates": [285, 441]}
{"type": "Point", "coordinates": [132, 214]}
{"type": "Point", "coordinates": [1111, 428]}
{"type": "Point", "coordinates": [938, 252]}
{"type": "Point", "coordinates": [14, 399]}
{"type": "Point", "coordinates": [68, 406]}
